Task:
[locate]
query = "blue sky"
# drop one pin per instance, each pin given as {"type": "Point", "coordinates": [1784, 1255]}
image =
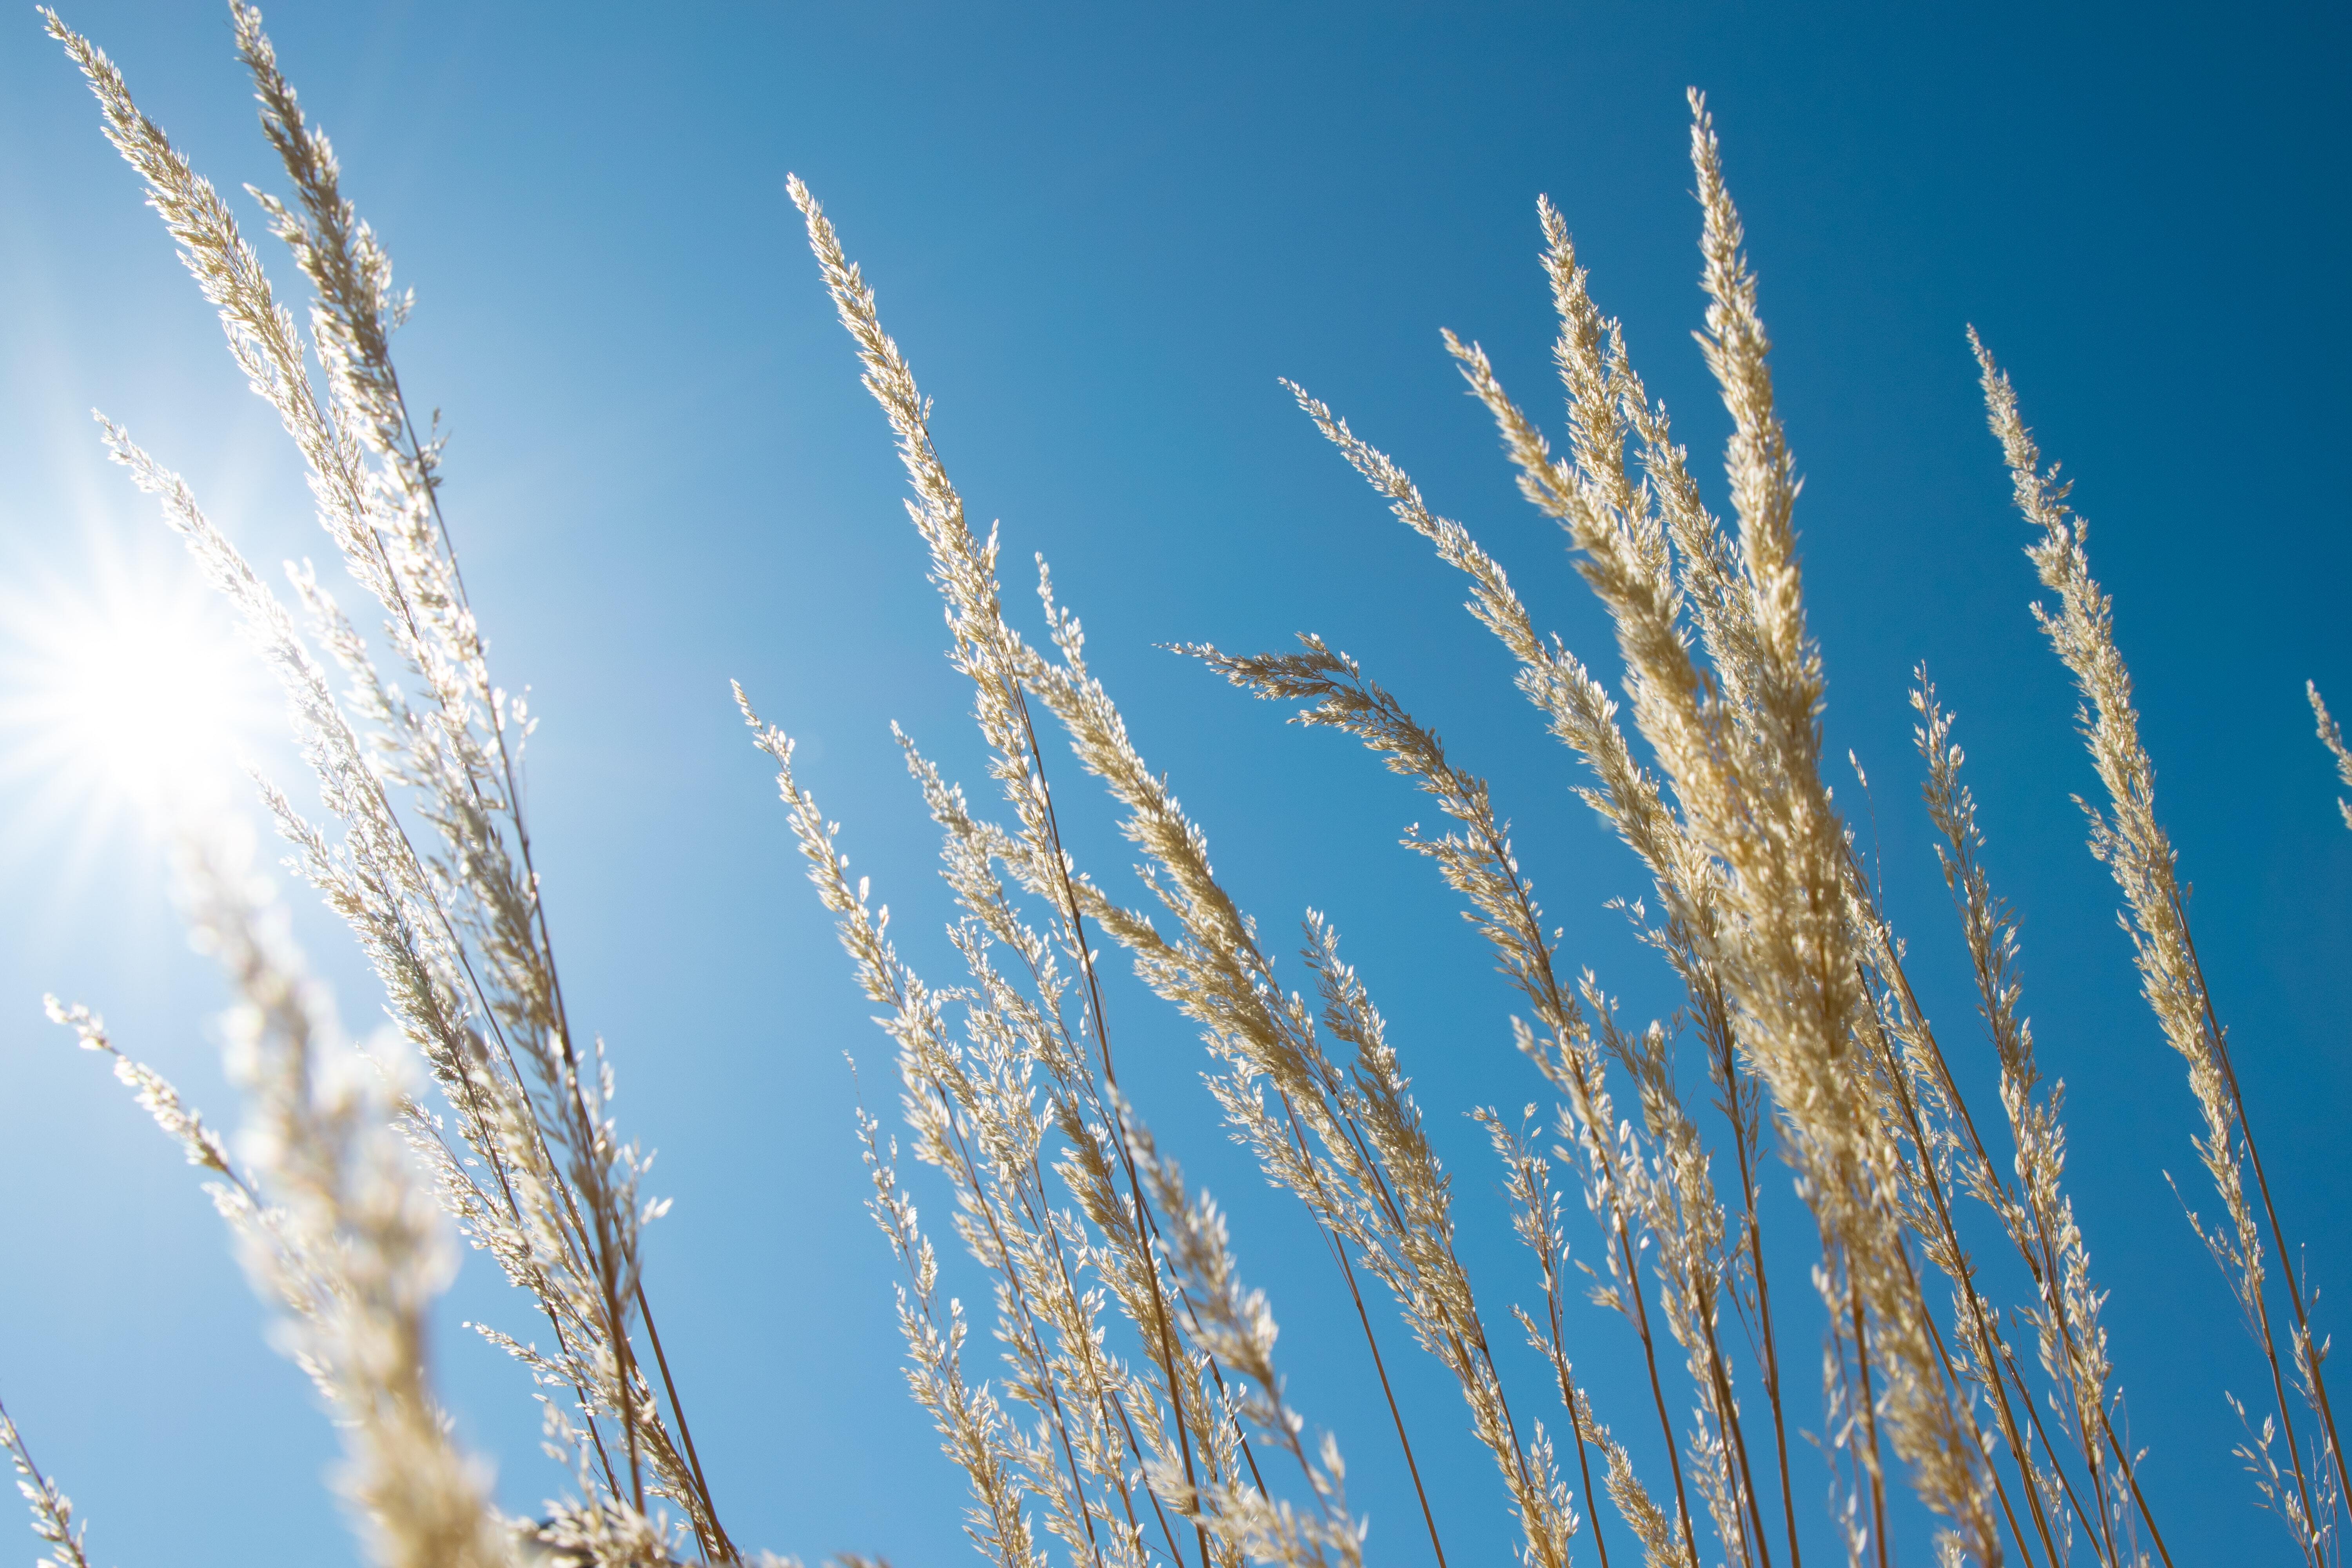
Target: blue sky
{"type": "Point", "coordinates": [1100, 233]}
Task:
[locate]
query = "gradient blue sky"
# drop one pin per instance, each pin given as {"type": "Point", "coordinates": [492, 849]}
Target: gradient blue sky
{"type": "Point", "coordinates": [1101, 233]}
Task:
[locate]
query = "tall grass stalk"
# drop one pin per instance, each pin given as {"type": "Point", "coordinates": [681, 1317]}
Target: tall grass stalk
{"type": "Point", "coordinates": [429, 856]}
{"type": "Point", "coordinates": [2134, 845]}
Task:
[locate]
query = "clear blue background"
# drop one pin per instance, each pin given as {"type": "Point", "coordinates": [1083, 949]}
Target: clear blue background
{"type": "Point", "coordinates": [1101, 233]}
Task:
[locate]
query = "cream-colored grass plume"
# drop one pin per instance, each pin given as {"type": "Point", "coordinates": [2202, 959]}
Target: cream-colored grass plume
{"type": "Point", "coordinates": [2333, 738]}
{"type": "Point", "coordinates": [429, 855]}
{"type": "Point", "coordinates": [1750, 863]}
{"type": "Point", "coordinates": [53, 1519]}
{"type": "Point", "coordinates": [1645, 1187]}
{"type": "Point", "coordinates": [1034, 1081]}
{"type": "Point", "coordinates": [1796, 983]}
{"type": "Point", "coordinates": [2125, 835]}
{"type": "Point", "coordinates": [338, 1221]}
{"type": "Point", "coordinates": [2036, 1216]}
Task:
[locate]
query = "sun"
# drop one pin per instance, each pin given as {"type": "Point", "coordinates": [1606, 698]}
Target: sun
{"type": "Point", "coordinates": [127, 692]}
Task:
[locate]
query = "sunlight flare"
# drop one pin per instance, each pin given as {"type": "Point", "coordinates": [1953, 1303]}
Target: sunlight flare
{"type": "Point", "coordinates": [127, 692]}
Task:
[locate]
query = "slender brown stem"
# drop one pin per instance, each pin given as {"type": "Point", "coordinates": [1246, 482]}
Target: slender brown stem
{"type": "Point", "coordinates": [686, 1434]}
{"type": "Point", "coordinates": [1040, 1216]}
{"type": "Point", "coordinates": [1728, 1421]}
{"type": "Point", "coordinates": [2131, 1480]}
{"type": "Point", "coordinates": [2307, 1363]}
{"type": "Point", "coordinates": [1151, 1494]}
{"type": "Point", "coordinates": [1005, 1266]}
{"type": "Point", "coordinates": [2045, 1269]}
{"type": "Point", "coordinates": [584, 1128]}
{"type": "Point", "coordinates": [1986, 1333]}
{"type": "Point", "coordinates": [1772, 1383]}
{"type": "Point", "coordinates": [1419, 1493]}
{"type": "Point", "coordinates": [1034, 1200]}
{"type": "Point", "coordinates": [1457, 1345]}
{"type": "Point", "coordinates": [623, 1352]}
{"type": "Point", "coordinates": [2049, 1452]}
{"type": "Point", "coordinates": [1768, 1353]}
{"type": "Point", "coordinates": [1348, 1271]}
{"type": "Point", "coordinates": [1567, 1397]}
{"type": "Point", "coordinates": [514, 1209]}
{"type": "Point", "coordinates": [1989, 1340]}
{"type": "Point", "coordinates": [1733, 1431]}
{"type": "Point", "coordinates": [2261, 1301]}
{"type": "Point", "coordinates": [282, 119]}
{"type": "Point", "coordinates": [1085, 955]}
{"type": "Point", "coordinates": [1869, 1413]}
{"type": "Point", "coordinates": [40, 1493]}
{"type": "Point", "coordinates": [2025, 1471]}
{"type": "Point", "coordinates": [578, 1230]}
{"type": "Point", "coordinates": [1494, 1376]}
{"type": "Point", "coordinates": [1545, 985]}
{"type": "Point", "coordinates": [1657, 1391]}
{"type": "Point", "coordinates": [1620, 1236]}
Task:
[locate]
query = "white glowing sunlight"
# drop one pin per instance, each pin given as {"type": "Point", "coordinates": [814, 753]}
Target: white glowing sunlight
{"type": "Point", "coordinates": [130, 695]}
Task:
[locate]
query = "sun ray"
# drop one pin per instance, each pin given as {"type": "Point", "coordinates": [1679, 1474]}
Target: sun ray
{"type": "Point", "coordinates": [126, 699]}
